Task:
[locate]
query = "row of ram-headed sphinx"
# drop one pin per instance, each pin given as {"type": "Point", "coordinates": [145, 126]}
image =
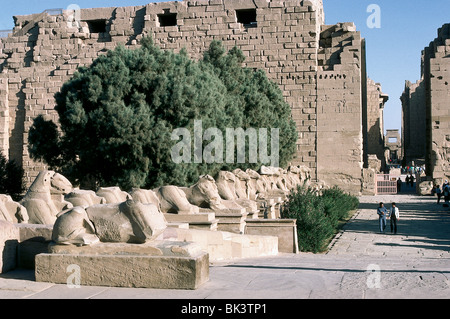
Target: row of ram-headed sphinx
{"type": "Point", "coordinates": [84, 217]}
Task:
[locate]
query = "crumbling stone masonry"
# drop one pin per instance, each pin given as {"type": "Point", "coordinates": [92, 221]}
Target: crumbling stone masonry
{"type": "Point", "coordinates": [321, 69]}
{"type": "Point", "coordinates": [430, 97]}
{"type": "Point", "coordinates": [376, 101]}
{"type": "Point", "coordinates": [414, 123]}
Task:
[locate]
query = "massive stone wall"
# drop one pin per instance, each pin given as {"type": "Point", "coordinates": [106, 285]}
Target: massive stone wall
{"type": "Point", "coordinates": [414, 123]}
{"type": "Point", "coordinates": [376, 100]}
{"type": "Point", "coordinates": [339, 107]}
{"type": "Point", "coordinates": [426, 111]}
{"type": "Point", "coordinates": [321, 69]}
{"type": "Point", "coordinates": [437, 89]}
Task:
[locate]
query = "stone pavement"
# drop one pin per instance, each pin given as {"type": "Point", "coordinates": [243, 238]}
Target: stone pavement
{"type": "Point", "coordinates": [361, 264]}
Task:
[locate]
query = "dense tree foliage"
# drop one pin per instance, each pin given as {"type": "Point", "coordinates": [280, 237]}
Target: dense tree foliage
{"type": "Point", "coordinates": [11, 178]}
{"type": "Point", "coordinates": [116, 116]}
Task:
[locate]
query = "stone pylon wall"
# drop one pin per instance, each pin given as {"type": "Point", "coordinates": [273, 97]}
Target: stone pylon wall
{"type": "Point", "coordinates": [285, 41]}
{"type": "Point", "coordinates": [437, 87]}
{"type": "Point", "coordinates": [426, 109]}
{"type": "Point", "coordinates": [340, 106]}
{"type": "Point", "coordinates": [376, 100]}
{"type": "Point", "coordinates": [414, 123]}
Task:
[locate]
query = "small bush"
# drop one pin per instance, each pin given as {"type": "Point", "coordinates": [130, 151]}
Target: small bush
{"type": "Point", "coordinates": [318, 216]}
{"type": "Point", "coordinates": [11, 178]}
{"type": "Point", "coordinates": [337, 204]}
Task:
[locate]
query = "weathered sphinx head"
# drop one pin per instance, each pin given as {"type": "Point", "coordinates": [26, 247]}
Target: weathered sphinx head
{"type": "Point", "coordinates": [51, 181]}
{"type": "Point", "coordinates": [225, 184]}
{"type": "Point", "coordinates": [60, 185]}
{"type": "Point", "coordinates": [239, 173]}
{"type": "Point", "coordinates": [206, 189]}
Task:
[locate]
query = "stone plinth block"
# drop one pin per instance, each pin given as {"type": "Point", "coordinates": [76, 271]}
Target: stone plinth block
{"type": "Point", "coordinates": [33, 240]}
{"type": "Point", "coordinates": [222, 245]}
{"type": "Point", "coordinates": [284, 229]}
{"type": "Point", "coordinates": [9, 239]}
{"type": "Point", "coordinates": [158, 265]}
{"type": "Point", "coordinates": [231, 220]}
{"type": "Point", "coordinates": [267, 207]}
{"type": "Point", "coordinates": [205, 221]}
{"type": "Point", "coordinates": [35, 232]}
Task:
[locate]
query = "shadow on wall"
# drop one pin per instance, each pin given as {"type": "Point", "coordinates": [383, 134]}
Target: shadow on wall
{"type": "Point", "coordinates": [9, 255]}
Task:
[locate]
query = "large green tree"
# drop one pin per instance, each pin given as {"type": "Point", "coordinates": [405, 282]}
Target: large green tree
{"type": "Point", "coordinates": [257, 99]}
{"type": "Point", "coordinates": [117, 116]}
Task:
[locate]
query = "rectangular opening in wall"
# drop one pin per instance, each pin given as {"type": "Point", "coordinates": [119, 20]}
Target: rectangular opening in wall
{"type": "Point", "coordinates": [392, 140]}
{"type": "Point", "coordinates": [247, 17]}
{"type": "Point", "coordinates": [167, 19]}
{"type": "Point", "coordinates": [97, 26]}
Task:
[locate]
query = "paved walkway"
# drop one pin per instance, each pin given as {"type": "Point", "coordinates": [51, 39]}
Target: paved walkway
{"type": "Point", "coordinates": [361, 263]}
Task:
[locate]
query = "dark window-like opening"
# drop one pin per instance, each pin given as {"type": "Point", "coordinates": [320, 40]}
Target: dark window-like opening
{"type": "Point", "coordinates": [97, 26]}
{"type": "Point", "coordinates": [247, 17]}
{"type": "Point", "coordinates": [167, 19]}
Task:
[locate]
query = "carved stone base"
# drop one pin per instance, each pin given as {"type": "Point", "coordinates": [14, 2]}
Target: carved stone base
{"type": "Point", "coordinates": [284, 229]}
{"type": "Point", "coordinates": [204, 221]}
{"type": "Point", "coordinates": [159, 265]}
{"type": "Point", "coordinates": [222, 245]}
{"type": "Point", "coordinates": [231, 219]}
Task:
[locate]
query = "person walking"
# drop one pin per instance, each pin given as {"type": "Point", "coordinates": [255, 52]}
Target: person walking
{"type": "Point", "coordinates": [438, 193]}
{"type": "Point", "coordinates": [382, 214]}
{"type": "Point", "coordinates": [394, 216]}
{"type": "Point", "coordinates": [407, 180]}
{"type": "Point", "coordinates": [446, 193]}
{"type": "Point", "coordinates": [399, 185]}
{"type": "Point", "coordinates": [411, 180]}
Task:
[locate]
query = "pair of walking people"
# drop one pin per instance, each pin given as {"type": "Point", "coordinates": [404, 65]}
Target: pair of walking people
{"type": "Point", "coordinates": [393, 214]}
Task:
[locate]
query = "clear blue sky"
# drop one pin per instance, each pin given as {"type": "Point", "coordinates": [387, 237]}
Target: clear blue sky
{"type": "Point", "coordinates": [393, 50]}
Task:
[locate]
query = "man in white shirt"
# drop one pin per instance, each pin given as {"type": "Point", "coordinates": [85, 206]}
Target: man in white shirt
{"type": "Point", "coordinates": [394, 217]}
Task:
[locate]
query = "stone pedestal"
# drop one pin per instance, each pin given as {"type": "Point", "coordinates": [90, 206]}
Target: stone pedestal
{"type": "Point", "coordinates": [203, 220]}
{"type": "Point", "coordinates": [33, 240]}
{"type": "Point", "coordinates": [253, 214]}
{"type": "Point", "coordinates": [178, 225]}
{"type": "Point", "coordinates": [269, 205]}
{"type": "Point", "coordinates": [284, 229]}
{"type": "Point", "coordinates": [222, 245]}
{"type": "Point", "coordinates": [158, 265]}
{"type": "Point", "coordinates": [231, 220]}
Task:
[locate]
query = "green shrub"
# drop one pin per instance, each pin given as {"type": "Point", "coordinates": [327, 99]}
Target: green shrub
{"type": "Point", "coordinates": [318, 216]}
{"type": "Point", "coordinates": [337, 204]}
